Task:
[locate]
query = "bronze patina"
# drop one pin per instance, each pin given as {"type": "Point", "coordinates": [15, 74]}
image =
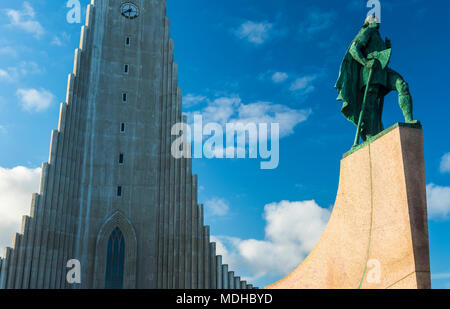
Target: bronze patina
{"type": "Point", "coordinates": [365, 79]}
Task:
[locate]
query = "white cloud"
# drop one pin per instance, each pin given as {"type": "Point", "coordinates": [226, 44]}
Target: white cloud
{"type": "Point", "coordinates": [232, 110]}
{"type": "Point", "coordinates": [438, 199]}
{"type": "Point", "coordinates": [191, 100]}
{"type": "Point", "coordinates": [256, 33]}
{"type": "Point", "coordinates": [445, 163]}
{"type": "Point", "coordinates": [33, 100]}
{"type": "Point", "coordinates": [16, 188]}
{"type": "Point", "coordinates": [3, 129]}
{"type": "Point", "coordinates": [267, 112]}
{"type": "Point", "coordinates": [221, 109]}
{"type": "Point", "coordinates": [217, 207]}
{"type": "Point", "coordinates": [279, 77]}
{"type": "Point", "coordinates": [440, 276]}
{"type": "Point", "coordinates": [5, 75]}
{"type": "Point", "coordinates": [303, 84]}
{"type": "Point", "coordinates": [13, 74]}
{"type": "Point", "coordinates": [24, 19]}
{"type": "Point", "coordinates": [292, 230]}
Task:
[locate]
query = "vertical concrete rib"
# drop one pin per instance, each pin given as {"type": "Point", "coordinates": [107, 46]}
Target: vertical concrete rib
{"type": "Point", "coordinates": [2, 262]}
{"type": "Point", "coordinates": [60, 200]}
{"type": "Point", "coordinates": [40, 216]}
{"type": "Point", "coordinates": [231, 280]}
{"type": "Point", "coordinates": [65, 128]}
{"type": "Point", "coordinates": [171, 170]}
{"type": "Point", "coordinates": [213, 268]}
{"type": "Point", "coordinates": [207, 258]}
{"type": "Point", "coordinates": [237, 283]}
{"type": "Point", "coordinates": [225, 281]}
{"type": "Point", "coordinates": [74, 110]}
{"type": "Point", "coordinates": [189, 192]}
{"type": "Point", "coordinates": [200, 250]}
{"type": "Point", "coordinates": [5, 268]}
{"type": "Point", "coordinates": [57, 216]}
{"type": "Point", "coordinates": [22, 252]}
{"type": "Point", "coordinates": [62, 213]}
{"type": "Point", "coordinates": [195, 232]}
{"type": "Point", "coordinates": [162, 267]}
{"type": "Point", "coordinates": [13, 263]}
{"type": "Point", "coordinates": [166, 141]}
{"type": "Point", "coordinates": [218, 270]}
{"type": "Point", "coordinates": [181, 210]}
{"type": "Point", "coordinates": [177, 244]}
{"type": "Point", "coordinates": [160, 213]}
{"type": "Point", "coordinates": [55, 167]}
{"type": "Point", "coordinates": [166, 172]}
{"type": "Point", "coordinates": [30, 232]}
{"type": "Point", "coordinates": [71, 121]}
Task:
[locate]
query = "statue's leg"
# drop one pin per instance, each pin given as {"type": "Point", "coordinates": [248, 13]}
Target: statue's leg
{"type": "Point", "coordinates": [371, 127]}
{"type": "Point", "coordinates": [397, 83]}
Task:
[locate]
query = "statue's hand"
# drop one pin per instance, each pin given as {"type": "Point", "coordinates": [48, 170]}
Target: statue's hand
{"type": "Point", "coordinates": [374, 55]}
{"type": "Point", "coordinates": [369, 64]}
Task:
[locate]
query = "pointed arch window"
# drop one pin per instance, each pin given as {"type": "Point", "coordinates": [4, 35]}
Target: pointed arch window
{"type": "Point", "coordinates": [115, 260]}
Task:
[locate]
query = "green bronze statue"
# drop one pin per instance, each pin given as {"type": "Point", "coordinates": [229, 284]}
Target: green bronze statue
{"type": "Point", "coordinates": [364, 80]}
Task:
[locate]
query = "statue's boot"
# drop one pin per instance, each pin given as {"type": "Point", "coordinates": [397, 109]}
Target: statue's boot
{"type": "Point", "coordinates": [405, 102]}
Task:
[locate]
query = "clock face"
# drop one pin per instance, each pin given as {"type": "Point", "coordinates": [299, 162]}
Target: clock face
{"type": "Point", "coordinates": [129, 10]}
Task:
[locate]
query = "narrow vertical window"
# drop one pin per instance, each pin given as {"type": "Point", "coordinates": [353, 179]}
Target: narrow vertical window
{"type": "Point", "coordinates": [119, 191]}
{"type": "Point", "coordinates": [121, 158]}
{"type": "Point", "coordinates": [127, 41]}
{"type": "Point", "coordinates": [124, 97]}
{"type": "Point", "coordinates": [125, 69]}
{"type": "Point", "coordinates": [122, 127]}
{"type": "Point", "coordinates": [115, 260]}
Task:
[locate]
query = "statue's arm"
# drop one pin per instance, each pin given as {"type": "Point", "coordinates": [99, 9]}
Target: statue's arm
{"type": "Point", "coordinates": [357, 54]}
{"type": "Point", "coordinates": [359, 44]}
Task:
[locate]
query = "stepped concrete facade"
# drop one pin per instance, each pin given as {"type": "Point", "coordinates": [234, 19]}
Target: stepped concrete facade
{"type": "Point", "coordinates": [377, 236]}
{"type": "Point", "coordinates": [111, 194]}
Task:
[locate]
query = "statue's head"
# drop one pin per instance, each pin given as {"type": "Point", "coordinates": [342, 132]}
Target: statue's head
{"type": "Point", "coordinates": [372, 21]}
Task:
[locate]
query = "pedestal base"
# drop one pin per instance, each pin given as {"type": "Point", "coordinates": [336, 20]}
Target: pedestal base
{"type": "Point", "coordinates": [377, 236]}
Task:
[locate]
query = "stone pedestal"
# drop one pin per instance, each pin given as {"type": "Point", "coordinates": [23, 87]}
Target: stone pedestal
{"type": "Point", "coordinates": [377, 236]}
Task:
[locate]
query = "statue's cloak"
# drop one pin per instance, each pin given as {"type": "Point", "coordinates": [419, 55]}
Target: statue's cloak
{"type": "Point", "coordinates": [348, 87]}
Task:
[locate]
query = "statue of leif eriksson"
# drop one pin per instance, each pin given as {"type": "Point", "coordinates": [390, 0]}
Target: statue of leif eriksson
{"type": "Point", "coordinates": [365, 79]}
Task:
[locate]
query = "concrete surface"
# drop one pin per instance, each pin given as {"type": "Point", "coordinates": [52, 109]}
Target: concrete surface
{"type": "Point", "coordinates": [377, 236]}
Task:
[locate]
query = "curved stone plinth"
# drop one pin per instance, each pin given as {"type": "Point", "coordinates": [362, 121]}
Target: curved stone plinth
{"type": "Point", "coordinates": [377, 236]}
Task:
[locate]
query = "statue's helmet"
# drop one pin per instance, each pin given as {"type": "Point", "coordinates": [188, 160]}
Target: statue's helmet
{"type": "Point", "coordinates": [372, 19]}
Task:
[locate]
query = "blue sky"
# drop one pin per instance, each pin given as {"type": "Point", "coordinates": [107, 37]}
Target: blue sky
{"type": "Point", "coordinates": [284, 54]}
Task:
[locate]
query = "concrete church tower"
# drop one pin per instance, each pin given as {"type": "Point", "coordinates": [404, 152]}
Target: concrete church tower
{"type": "Point", "coordinates": [111, 194]}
